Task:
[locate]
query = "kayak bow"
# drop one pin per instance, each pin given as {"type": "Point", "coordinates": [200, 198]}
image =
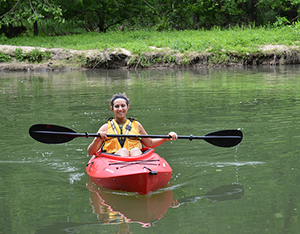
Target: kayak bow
{"type": "Point", "coordinates": [141, 174]}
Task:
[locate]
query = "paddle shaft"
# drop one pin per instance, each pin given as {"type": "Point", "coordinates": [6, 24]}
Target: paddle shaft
{"type": "Point", "coordinates": [86, 135]}
{"type": "Point", "coordinates": [54, 134]}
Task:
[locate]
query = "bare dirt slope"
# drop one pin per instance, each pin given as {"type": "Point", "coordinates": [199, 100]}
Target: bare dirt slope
{"type": "Point", "coordinates": [63, 59]}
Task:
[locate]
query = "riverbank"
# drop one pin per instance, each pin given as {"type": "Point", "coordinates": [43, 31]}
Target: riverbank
{"type": "Point", "coordinates": [149, 49]}
{"type": "Point", "coordinates": [60, 59]}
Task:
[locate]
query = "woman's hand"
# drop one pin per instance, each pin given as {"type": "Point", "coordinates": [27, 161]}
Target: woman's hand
{"type": "Point", "coordinates": [173, 135]}
{"type": "Point", "coordinates": [102, 134]}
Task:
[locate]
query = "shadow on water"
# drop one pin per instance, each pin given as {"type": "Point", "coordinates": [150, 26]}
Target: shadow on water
{"type": "Point", "coordinates": [121, 208]}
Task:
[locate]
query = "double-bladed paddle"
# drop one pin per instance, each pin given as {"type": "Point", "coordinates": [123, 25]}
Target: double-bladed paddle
{"type": "Point", "coordinates": [54, 134]}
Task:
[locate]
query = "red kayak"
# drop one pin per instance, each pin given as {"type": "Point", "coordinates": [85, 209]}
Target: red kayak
{"type": "Point", "coordinates": [141, 174]}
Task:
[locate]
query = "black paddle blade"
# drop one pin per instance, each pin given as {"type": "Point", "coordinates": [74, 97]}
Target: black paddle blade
{"type": "Point", "coordinates": [224, 138]}
{"type": "Point", "coordinates": [51, 134]}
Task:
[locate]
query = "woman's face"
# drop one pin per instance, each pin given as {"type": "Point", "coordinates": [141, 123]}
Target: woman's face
{"type": "Point", "coordinates": [120, 108]}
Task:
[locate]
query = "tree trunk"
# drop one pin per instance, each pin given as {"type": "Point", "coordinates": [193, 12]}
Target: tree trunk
{"type": "Point", "coordinates": [35, 28]}
{"type": "Point", "coordinates": [195, 21]}
{"type": "Point", "coordinates": [253, 11]}
{"type": "Point", "coordinates": [101, 25]}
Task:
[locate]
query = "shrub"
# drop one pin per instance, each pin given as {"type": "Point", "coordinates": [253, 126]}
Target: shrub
{"type": "Point", "coordinates": [20, 56]}
{"type": "Point", "coordinates": [4, 57]}
{"type": "Point", "coordinates": [38, 56]}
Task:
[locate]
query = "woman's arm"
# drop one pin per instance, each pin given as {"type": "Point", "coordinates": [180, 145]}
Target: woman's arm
{"type": "Point", "coordinates": [98, 141]}
{"type": "Point", "coordinates": [152, 143]}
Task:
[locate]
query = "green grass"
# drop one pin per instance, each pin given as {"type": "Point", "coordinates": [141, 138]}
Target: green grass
{"type": "Point", "coordinates": [241, 40]}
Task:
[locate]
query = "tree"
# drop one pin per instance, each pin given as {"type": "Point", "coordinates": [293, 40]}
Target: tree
{"type": "Point", "coordinates": [101, 15]}
{"type": "Point", "coordinates": [271, 10]}
{"type": "Point", "coordinates": [17, 12]}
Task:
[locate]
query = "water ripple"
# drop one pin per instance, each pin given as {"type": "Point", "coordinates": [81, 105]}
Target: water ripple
{"type": "Point", "coordinates": [223, 164]}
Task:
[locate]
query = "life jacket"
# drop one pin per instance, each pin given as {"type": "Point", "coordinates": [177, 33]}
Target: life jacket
{"type": "Point", "coordinates": [113, 144]}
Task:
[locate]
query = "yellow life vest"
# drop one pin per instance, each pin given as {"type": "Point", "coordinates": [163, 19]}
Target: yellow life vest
{"type": "Point", "coordinates": [113, 144]}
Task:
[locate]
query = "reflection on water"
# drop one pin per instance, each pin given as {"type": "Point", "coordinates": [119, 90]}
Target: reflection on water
{"type": "Point", "coordinates": [43, 187]}
{"type": "Point", "coordinates": [118, 207]}
{"type": "Point", "coordinates": [223, 193]}
{"type": "Point", "coordinates": [123, 209]}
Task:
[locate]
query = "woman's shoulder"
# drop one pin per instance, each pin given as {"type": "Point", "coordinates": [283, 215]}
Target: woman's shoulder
{"type": "Point", "coordinates": [139, 123]}
{"type": "Point", "coordinates": [141, 129]}
{"type": "Point", "coordinates": [103, 127]}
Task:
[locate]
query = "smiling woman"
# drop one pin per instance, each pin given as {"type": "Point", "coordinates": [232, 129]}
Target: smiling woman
{"type": "Point", "coordinates": [123, 146]}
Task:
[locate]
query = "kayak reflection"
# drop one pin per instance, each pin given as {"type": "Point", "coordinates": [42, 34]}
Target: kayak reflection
{"type": "Point", "coordinates": [113, 207]}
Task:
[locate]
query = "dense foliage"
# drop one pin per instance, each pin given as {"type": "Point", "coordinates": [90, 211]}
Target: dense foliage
{"type": "Point", "coordinates": [59, 16]}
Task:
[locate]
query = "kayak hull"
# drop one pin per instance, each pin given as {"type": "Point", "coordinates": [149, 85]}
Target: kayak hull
{"type": "Point", "coordinates": [141, 174]}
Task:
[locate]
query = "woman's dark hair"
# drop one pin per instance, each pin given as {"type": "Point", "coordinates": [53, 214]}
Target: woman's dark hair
{"type": "Point", "coordinates": [119, 95]}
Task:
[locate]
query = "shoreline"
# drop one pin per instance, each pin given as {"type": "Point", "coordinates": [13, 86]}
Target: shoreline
{"type": "Point", "coordinates": [159, 58]}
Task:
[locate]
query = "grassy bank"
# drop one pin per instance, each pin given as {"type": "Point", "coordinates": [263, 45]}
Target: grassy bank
{"type": "Point", "coordinates": [215, 46]}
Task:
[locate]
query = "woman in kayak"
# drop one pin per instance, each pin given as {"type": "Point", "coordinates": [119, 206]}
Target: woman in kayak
{"type": "Point", "coordinates": [123, 146]}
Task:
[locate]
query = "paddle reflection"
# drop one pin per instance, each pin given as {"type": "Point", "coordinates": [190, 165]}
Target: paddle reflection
{"type": "Point", "coordinates": [223, 193]}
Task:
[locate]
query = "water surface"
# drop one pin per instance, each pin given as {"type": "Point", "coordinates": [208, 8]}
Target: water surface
{"type": "Point", "coordinates": [251, 188]}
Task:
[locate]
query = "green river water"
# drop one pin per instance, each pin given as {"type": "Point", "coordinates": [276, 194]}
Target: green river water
{"type": "Point", "coordinates": [251, 188]}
